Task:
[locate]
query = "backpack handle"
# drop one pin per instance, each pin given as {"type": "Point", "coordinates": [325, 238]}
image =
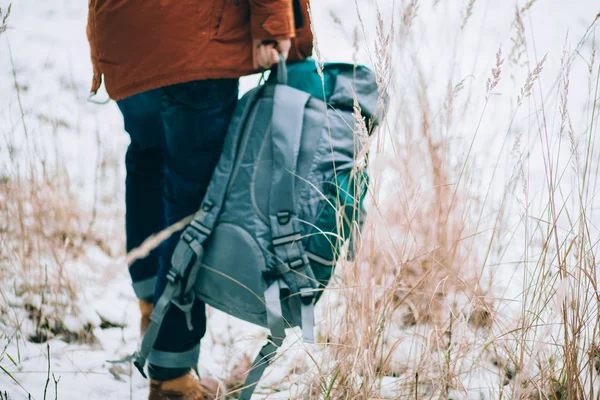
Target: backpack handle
{"type": "Point", "coordinates": [278, 72]}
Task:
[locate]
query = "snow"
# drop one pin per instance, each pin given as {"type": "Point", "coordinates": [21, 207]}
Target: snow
{"type": "Point", "coordinates": [45, 51]}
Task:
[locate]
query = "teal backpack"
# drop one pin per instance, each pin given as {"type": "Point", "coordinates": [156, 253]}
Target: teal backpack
{"type": "Point", "coordinates": [285, 196]}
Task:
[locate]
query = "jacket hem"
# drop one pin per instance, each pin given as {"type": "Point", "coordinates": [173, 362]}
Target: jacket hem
{"type": "Point", "coordinates": [156, 82]}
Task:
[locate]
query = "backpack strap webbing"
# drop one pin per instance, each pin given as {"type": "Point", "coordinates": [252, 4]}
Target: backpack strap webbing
{"type": "Point", "coordinates": [292, 263]}
{"type": "Point", "coordinates": [267, 353]}
{"type": "Point", "coordinates": [187, 257]}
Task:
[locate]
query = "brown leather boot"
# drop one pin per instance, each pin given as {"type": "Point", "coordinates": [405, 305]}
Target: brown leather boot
{"type": "Point", "coordinates": [146, 309]}
{"type": "Point", "coordinates": [185, 388]}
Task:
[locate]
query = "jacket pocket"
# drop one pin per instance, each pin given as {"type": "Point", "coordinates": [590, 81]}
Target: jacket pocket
{"type": "Point", "coordinates": [230, 20]}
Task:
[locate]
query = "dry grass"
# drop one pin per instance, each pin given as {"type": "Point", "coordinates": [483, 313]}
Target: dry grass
{"type": "Point", "coordinates": [44, 229]}
{"type": "Point", "coordinates": [4, 18]}
{"type": "Point", "coordinates": [419, 302]}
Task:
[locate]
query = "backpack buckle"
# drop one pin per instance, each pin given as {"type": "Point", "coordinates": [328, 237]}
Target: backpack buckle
{"type": "Point", "coordinates": [207, 206]}
{"type": "Point", "coordinates": [298, 263]}
{"type": "Point", "coordinates": [197, 226]}
{"type": "Point", "coordinates": [307, 295]}
{"type": "Point", "coordinates": [185, 304]}
{"type": "Point", "coordinates": [173, 276]}
{"type": "Point", "coordinates": [284, 217]}
{"type": "Point", "coordinates": [283, 268]}
{"type": "Point", "coordinates": [268, 351]}
{"type": "Point", "coordinates": [187, 238]}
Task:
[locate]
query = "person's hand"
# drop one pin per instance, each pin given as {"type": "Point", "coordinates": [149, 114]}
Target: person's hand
{"type": "Point", "coordinates": [265, 55]}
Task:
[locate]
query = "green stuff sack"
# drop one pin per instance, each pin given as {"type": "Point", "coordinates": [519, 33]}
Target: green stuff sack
{"type": "Point", "coordinates": [339, 85]}
{"type": "Point", "coordinates": [342, 216]}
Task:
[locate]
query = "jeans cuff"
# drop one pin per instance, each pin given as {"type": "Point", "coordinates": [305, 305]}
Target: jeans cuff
{"type": "Point", "coordinates": [165, 374]}
{"type": "Point", "coordinates": [144, 290]}
{"type": "Point", "coordinates": [175, 360]}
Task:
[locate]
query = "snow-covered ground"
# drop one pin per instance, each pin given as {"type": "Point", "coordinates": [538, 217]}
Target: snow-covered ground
{"type": "Point", "coordinates": [45, 54]}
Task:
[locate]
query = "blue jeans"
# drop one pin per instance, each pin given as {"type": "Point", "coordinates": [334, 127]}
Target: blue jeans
{"type": "Point", "coordinates": [177, 134]}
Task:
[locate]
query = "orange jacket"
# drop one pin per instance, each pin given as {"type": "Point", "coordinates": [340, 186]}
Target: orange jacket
{"type": "Point", "coordinates": [138, 45]}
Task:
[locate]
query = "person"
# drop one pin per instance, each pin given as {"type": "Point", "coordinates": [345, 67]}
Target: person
{"type": "Point", "coordinates": [173, 68]}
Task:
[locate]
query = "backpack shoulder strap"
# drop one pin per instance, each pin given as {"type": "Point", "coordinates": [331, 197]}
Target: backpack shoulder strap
{"type": "Point", "coordinates": [292, 262]}
{"type": "Point", "coordinates": [187, 256]}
